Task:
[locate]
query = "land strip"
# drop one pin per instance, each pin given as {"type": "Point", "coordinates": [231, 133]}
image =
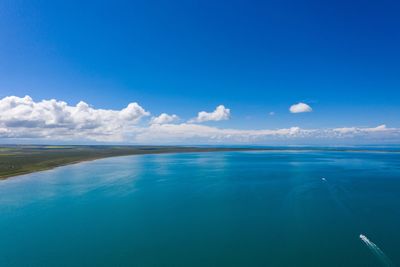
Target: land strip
{"type": "Point", "coordinates": [23, 159]}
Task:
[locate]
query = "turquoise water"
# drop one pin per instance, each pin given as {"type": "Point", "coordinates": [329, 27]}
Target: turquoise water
{"type": "Point", "coordinates": [206, 209]}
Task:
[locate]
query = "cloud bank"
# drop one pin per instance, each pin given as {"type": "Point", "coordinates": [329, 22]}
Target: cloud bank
{"type": "Point", "coordinates": [53, 120]}
{"type": "Point", "coordinates": [300, 108]}
{"type": "Point", "coordinates": [195, 133]}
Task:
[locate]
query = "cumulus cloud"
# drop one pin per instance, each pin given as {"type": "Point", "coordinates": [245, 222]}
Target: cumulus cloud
{"type": "Point", "coordinates": [23, 117]}
{"type": "Point", "coordinates": [300, 108]}
{"type": "Point", "coordinates": [219, 114]}
{"type": "Point", "coordinates": [164, 118]}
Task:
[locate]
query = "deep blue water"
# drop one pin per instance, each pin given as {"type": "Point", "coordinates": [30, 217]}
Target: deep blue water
{"type": "Point", "coordinates": [206, 209]}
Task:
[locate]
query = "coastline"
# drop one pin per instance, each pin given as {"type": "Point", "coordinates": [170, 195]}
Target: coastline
{"type": "Point", "coordinates": [21, 160]}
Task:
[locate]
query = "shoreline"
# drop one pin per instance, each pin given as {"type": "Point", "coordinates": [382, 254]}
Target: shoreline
{"type": "Point", "coordinates": [90, 153]}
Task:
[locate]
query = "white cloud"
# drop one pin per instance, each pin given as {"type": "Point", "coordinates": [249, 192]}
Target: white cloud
{"type": "Point", "coordinates": [164, 118]}
{"type": "Point", "coordinates": [347, 131]}
{"type": "Point", "coordinates": [201, 134]}
{"type": "Point", "coordinates": [56, 120]}
{"type": "Point", "coordinates": [23, 117]}
{"type": "Point", "coordinates": [300, 108]}
{"type": "Point", "coordinates": [219, 114]}
{"type": "Point", "coordinates": [195, 133]}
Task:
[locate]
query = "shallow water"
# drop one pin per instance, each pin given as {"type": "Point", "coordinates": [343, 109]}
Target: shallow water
{"type": "Point", "coordinates": [206, 209]}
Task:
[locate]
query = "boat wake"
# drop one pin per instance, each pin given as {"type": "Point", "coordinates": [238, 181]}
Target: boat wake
{"type": "Point", "coordinates": [376, 250]}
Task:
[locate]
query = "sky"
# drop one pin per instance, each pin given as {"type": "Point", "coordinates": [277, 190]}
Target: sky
{"type": "Point", "coordinates": [200, 72]}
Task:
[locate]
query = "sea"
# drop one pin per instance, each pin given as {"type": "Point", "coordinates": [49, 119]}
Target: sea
{"type": "Point", "coordinates": [248, 208]}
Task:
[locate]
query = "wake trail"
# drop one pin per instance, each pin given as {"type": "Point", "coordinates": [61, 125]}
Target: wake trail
{"type": "Point", "coordinates": [333, 193]}
{"type": "Point", "coordinates": [372, 246]}
{"type": "Point", "coordinates": [376, 250]}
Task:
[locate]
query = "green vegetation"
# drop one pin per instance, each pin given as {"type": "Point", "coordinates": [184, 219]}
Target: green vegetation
{"type": "Point", "coordinates": [22, 159]}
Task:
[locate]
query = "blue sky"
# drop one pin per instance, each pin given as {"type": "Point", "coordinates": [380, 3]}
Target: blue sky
{"type": "Point", "coordinates": [342, 58]}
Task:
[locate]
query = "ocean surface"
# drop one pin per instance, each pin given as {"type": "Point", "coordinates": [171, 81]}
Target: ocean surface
{"type": "Point", "coordinates": [207, 209]}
